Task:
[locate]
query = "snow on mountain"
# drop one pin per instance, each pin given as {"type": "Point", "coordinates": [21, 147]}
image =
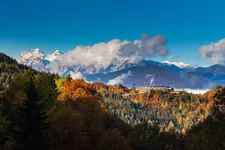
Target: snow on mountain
{"type": "Point", "coordinates": [101, 57]}
{"type": "Point", "coordinates": [121, 79]}
{"type": "Point", "coordinates": [150, 78]}
{"type": "Point", "coordinates": [153, 75]}
{"type": "Point", "coordinates": [178, 64]}
{"type": "Point", "coordinates": [53, 63]}
{"type": "Point", "coordinates": [38, 60]}
{"type": "Point", "coordinates": [35, 59]}
{"type": "Point", "coordinates": [143, 72]}
{"type": "Point", "coordinates": [54, 56]}
{"type": "Point", "coordinates": [32, 55]}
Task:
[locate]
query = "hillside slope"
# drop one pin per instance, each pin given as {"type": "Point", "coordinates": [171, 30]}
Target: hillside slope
{"type": "Point", "coordinates": [8, 68]}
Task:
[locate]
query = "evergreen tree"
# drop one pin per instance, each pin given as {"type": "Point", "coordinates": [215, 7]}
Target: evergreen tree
{"type": "Point", "coordinates": [219, 104]}
{"type": "Point", "coordinates": [145, 137]}
{"type": "Point", "coordinates": [6, 59]}
{"type": "Point", "coordinates": [47, 89]}
{"type": "Point", "coordinates": [69, 77]}
{"type": "Point", "coordinates": [210, 134]}
{"type": "Point", "coordinates": [32, 127]}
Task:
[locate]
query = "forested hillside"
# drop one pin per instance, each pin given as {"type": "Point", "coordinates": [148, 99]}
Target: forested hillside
{"type": "Point", "coordinates": [8, 68]}
{"type": "Point", "coordinates": [40, 111]}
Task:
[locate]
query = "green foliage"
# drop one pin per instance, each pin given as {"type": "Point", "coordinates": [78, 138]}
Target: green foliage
{"type": "Point", "coordinates": [31, 129]}
{"type": "Point", "coordinates": [8, 69]}
{"type": "Point", "coordinates": [121, 119]}
{"type": "Point", "coordinates": [210, 134]}
{"type": "Point", "coordinates": [145, 137]}
{"type": "Point", "coordinates": [45, 84]}
{"type": "Point", "coordinates": [46, 88]}
{"type": "Point", "coordinates": [69, 77]}
{"type": "Point", "coordinates": [6, 59]}
{"type": "Point", "coordinates": [219, 103]}
{"type": "Point", "coordinates": [4, 125]}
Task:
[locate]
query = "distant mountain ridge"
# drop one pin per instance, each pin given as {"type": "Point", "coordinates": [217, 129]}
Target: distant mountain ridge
{"type": "Point", "coordinates": [154, 75]}
{"type": "Point", "coordinates": [132, 74]}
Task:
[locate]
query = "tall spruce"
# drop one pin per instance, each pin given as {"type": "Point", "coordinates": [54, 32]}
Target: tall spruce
{"type": "Point", "coordinates": [33, 126]}
{"type": "Point", "coordinates": [69, 77]}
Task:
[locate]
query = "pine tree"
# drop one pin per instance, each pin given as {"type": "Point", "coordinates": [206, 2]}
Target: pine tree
{"type": "Point", "coordinates": [219, 104]}
{"type": "Point", "coordinates": [69, 77]}
{"type": "Point", "coordinates": [33, 123]}
{"type": "Point", "coordinates": [47, 90]}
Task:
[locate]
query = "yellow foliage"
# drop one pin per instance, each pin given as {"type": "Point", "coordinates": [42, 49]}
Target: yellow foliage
{"type": "Point", "coordinates": [180, 106]}
{"type": "Point", "coordinates": [60, 82]}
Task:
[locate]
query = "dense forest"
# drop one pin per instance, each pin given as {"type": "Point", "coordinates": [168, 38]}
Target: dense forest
{"type": "Point", "coordinates": [41, 111]}
{"type": "Point", "coordinates": [8, 68]}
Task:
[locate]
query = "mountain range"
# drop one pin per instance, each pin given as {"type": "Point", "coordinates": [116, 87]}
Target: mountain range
{"type": "Point", "coordinates": [37, 60]}
{"type": "Point", "coordinates": [131, 74]}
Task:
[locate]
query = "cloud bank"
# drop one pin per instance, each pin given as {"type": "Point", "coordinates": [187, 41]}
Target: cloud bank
{"type": "Point", "coordinates": [214, 52]}
{"type": "Point", "coordinates": [114, 52]}
{"type": "Point", "coordinates": [119, 79]}
{"type": "Point", "coordinates": [77, 75]}
{"type": "Point", "coordinates": [194, 91]}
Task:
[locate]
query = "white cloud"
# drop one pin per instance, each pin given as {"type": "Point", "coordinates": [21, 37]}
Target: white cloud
{"type": "Point", "coordinates": [119, 79]}
{"type": "Point", "coordinates": [114, 52]}
{"type": "Point", "coordinates": [214, 52]}
{"type": "Point", "coordinates": [178, 64]}
{"type": "Point", "coordinates": [194, 91]}
{"type": "Point", "coordinates": [77, 75]}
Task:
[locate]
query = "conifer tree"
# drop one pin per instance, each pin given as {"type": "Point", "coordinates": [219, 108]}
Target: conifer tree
{"type": "Point", "coordinates": [33, 125]}
{"type": "Point", "coordinates": [69, 77]}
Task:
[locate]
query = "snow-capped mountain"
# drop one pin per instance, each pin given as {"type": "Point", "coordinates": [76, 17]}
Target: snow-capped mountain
{"type": "Point", "coordinates": [38, 60]}
{"type": "Point", "coordinates": [181, 65]}
{"type": "Point", "coordinates": [54, 56]}
{"type": "Point", "coordinates": [53, 63]}
{"type": "Point", "coordinates": [130, 73]}
{"type": "Point", "coordinates": [152, 75]}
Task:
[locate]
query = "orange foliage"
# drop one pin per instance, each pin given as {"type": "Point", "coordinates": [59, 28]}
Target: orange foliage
{"type": "Point", "coordinates": [141, 98]}
{"type": "Point", "coordinates": [133, 91]}
{"type": "Point", "coordinates": [117, 89]}
{"type": "Point", "coordinates": [75, 90]}
{"type": "Point", "coordinates": [98, 86]}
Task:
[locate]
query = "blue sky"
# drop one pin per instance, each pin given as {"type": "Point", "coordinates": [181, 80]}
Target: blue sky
{"type": "Point", "coordinates": [54, 24]}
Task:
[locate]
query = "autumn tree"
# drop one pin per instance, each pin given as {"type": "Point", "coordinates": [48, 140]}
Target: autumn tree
{"type": "Point", "coordinates": [210, 134]}
{"type": "Point", "coordinates": [75, 90]}
{"type": "Point", "coordinates": [60, 82]}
